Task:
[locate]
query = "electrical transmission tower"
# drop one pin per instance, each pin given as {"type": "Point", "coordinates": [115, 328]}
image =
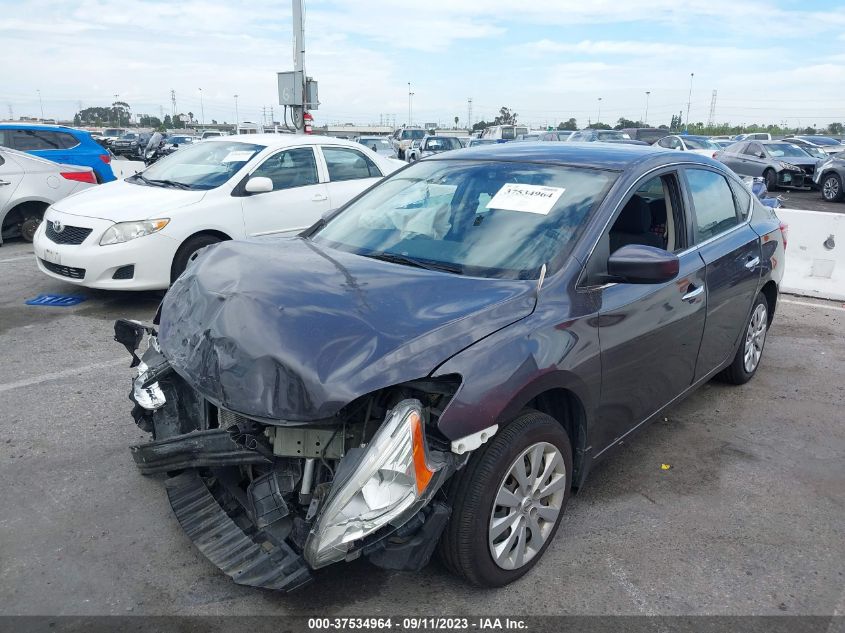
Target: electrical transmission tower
{"type": "Point", "coordinates": [710, 119]}
{"type": "Point", "coordinates": [173, 102]}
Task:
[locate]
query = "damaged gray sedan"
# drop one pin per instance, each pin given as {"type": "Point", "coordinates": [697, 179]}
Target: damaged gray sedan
{"type": "Point", "coordinates": [440, 363]}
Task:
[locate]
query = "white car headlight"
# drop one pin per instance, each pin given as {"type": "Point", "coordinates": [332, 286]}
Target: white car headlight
{"type": "Point", "coordinates": [125, 231]}
{"type": "Point", "coordinates": [788, 166]}
{"type": "Point", "coordinates": [392, 474]}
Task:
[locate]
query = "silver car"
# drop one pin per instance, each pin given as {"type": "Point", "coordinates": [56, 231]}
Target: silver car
{"type": "Point", "coordinates": [781, 163]}
{"type": "Point", "coordinates": [379, 144]}
{"type": "Point", "coordinates": [28, 185]}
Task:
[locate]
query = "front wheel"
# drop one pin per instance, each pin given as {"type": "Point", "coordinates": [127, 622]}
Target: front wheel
{"type": "Point", "coordinates": [188, 251]}
{"type": "Point", "coordinates": [508, 501]}
{"type": "Point", "coordinates": [771, 179]}
{"type": "Point", "coordinates": [832, 188]}
{"type": "Point", "coordinates": [750, 351]}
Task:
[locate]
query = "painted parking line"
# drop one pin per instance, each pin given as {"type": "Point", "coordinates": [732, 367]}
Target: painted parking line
{"type": "Point", "coordinates": [18, 259]}
{"type": "Point", "coordinates": [810, 304]}
{"type": "Point", "coordinates": [58, 375]}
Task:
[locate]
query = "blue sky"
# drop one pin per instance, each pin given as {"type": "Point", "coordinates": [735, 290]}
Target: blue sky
{"type": "Point", "coordinates": [548, 60]}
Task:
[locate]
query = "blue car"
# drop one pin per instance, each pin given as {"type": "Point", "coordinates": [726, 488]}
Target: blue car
{"type": "Point", "coordinates": [59, 144]}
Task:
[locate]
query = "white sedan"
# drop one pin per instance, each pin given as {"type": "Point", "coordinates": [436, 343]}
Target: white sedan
{"type": "Point", "coordinates": [28, 185]}
{"type": "Point", "coordinates": [689, 143]}
{"type": "Point", "coordinates": [140, 233]}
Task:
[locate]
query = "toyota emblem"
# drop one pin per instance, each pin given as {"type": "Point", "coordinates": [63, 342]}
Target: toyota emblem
{"type": "Point", "coordinates": [58, 227]}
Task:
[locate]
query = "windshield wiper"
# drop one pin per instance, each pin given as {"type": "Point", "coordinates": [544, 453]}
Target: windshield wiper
{"type": "Point", "coordinates": [167, 183]}
{"type": "Point", "coordinates": [396, 258]}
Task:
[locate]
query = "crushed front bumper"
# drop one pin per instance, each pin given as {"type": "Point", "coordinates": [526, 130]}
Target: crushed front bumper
{"type": "Point", "coordinates": [240, 494]}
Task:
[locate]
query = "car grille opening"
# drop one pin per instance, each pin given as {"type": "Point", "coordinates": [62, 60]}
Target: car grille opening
{"type": "Point", "coordinates": [124, 272]}
{"type": "Point", "coordinates": [64, 271]}
{"type": "Point", "coordinates": [68, 234]}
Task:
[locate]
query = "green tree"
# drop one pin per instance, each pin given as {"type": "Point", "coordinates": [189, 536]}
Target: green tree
{"type": "Point", "coordinates": [456, 121]}
{"type": "Point", "coordinates": [506, 117]}
{"type": "Point", "coordinates": [624, 123]}
{"type": "Point", "coordinates": [835, 129]}
{"type": "Point", "coordinates": [599, 126]}
{"type": "Point", "coordinates": [570, 124]}
{"type": "Point", "coordinates": [167, 123]}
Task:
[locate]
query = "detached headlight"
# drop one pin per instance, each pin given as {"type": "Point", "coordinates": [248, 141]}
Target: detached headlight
{"type": "Point", "coordinates": [390, 477]}
{"type": "Point", "coordinates": [150, 398]}
{"type": "Point", "coordinates": [125, 231]}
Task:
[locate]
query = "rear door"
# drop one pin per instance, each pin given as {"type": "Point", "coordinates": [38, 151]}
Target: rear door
{"type": "Point", "coordinates": [350, 172]}
{"type": "Point", "coordinates": [11, 175]}
{"type": "Point", "coordinates": [752, 164]}
{"type": "Point", "coordinates": [298, 199]}
{"type": "Point", "coordinates": [731, 252]}
{"type": "Point", "coordinates": [649, 333]}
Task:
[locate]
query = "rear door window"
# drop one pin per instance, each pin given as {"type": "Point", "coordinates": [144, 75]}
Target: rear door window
{"type": "Point", "coordinates": [714, 205]}
{"type": "Point", "coordinates": [34, 140]}
{"type": "Point", "coordinates": [345, 163]}
{"type": "Point", "coordinates": [290, 168]}
{"type": "Point", "coordinates": [67, 141]}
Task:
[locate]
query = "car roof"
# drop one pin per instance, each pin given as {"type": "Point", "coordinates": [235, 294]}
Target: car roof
{"type": "Point", "coordinates": [40, 126]}
{"type": "Point", "coordinates": [283, 140]}
{"type": "Point", "coordinates": [615, 156]}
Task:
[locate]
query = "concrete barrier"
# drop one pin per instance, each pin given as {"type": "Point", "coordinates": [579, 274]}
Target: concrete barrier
{"type": "Point", "coordinates": [815, 254]}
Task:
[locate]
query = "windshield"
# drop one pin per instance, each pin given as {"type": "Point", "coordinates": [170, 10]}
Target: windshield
{"type": "Point", "coordinates": [112, 132]}
{"type": "Point", "coordinates": [815, 152]}
{"type": "Point", "coordinates": [179, 139]}
{"type": "Point", "coordinates": [490, 219]}
{"type": "Point", "coordinates": [785, 149]}
{"type": "Point", "coordinates": [442, 143]}
{"type": "Point", "coordinates": [820, 140]}
{"type": "Point", "coordinates": [379, 143]}
{"type": "Point", "coordinates": [129, 136]}
{"type": "Point", "coordinates": [412, 134]}
{"type": "Point", "coordinates": [611, 135]}
{"type": "Point", "coordinates": [201, 166]}
{"type": "Point", "coordinates": [699, 143]}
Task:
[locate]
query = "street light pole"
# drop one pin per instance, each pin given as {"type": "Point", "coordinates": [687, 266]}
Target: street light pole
{"type": "Point", "coordinates": [645, 117]}
{"type": "Point", "coordinates": [237, 118]}
{"type": "Point", "coordinates": [41, 103]}
{"type": "Point", "coordinates": [689, 100]}
{"type": "Point", "coordinates": [202, 108]}
{"type": "Point", "coordinates": [598, 117]}
{"type": "Point", "coordinates": [410, 95]}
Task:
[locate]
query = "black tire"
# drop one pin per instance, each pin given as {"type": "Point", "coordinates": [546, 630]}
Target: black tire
{"type": "Point", "coordinates": [29, 226]}
{"type": "Point", "coordinates": [771, 179]}
{"type": "Point", "coordinates": [831, 186]}
{"type": "Point", "coordinates": [464, 546]}
{"type": "Point", "coordinates": [187, 251]}
{"type": "Point", "coordinates": [737, 372]}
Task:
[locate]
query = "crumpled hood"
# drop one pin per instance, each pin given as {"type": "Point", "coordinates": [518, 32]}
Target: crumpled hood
{"type": "Point", "coordinates": [294, 331]}
{"type": "Point", "coordinates": [121, 201]}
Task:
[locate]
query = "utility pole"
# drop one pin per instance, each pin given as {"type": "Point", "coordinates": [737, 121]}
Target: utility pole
{"type": "Point", "coordinates": [645, 116]}
{"type": "Point", "coordinates": [410, 95]}
{"type": "Point", "coordinates": [237, 118]}
{"type": "Point", "coordinates": [469, 113]}
{"type": "Point", "coordinates": [598, 117]}
{"type": "Point", "coordinates": [41, 103]}
{"type": "Point", "coordinates": [173, 103]}
{"type": "Point", "coordinates": [298, 112]}
{"type": "Point", "coordinates": [272, 116]}
{"type": "Point", "coordinates": [202, 108]}
{"type": "Point", "coordinates": [11, 113]}
{"type": "Point", "coordinates": [689, 100]}
{"type": "Point", "coordinates": [711, 118]}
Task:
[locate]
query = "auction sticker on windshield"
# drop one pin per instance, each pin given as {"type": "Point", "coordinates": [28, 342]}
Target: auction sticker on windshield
{"type": "Point", "coordinates": [526, 198]}
{"type": "Point", "coordinates": [238, 156]}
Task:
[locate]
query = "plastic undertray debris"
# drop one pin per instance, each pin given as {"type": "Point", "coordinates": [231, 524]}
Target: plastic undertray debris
{"type": "Point", "coordinates": [56, 301]}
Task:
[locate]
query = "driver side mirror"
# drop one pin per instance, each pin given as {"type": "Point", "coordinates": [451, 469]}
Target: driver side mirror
{"type": "Point", "coordinates": [760, 155]}
{"type": "Point", "coordinates": [259, 184]}
{"type": "Point", "coordinates": [641, 264]}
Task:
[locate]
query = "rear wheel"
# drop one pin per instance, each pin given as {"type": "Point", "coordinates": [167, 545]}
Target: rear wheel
{"type": "Point", "coordinates": [188, 251]}
{"type": "Point", "coordinates": [750, 351]}
{"type": "Point", "coordinates": [832, 188]}
{"type": "Point", "coordinates": [771, 179]}
{"type": "Point", "coordinates": [508, 501]}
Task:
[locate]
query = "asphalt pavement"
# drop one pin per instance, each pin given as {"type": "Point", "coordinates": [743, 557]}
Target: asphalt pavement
{"type": "Point", "coordinates": [747, 519]}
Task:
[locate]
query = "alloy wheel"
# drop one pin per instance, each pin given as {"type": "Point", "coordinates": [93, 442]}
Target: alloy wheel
{"type": "Point", "coordinates": [527, 505]}
{"type": "Point", "coordinates": [830, 188]}
{"type": "Point", "coordinates": [755, 338]}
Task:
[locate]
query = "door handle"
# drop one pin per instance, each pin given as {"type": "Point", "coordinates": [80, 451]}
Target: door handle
{"type": "Point", "coordinates": [4, 183]}
{"type": "Point", "coordinates": [319, 198]}
{"type": "Point", "coordinates": [752, 263]}
{"type": "Point", "coordinates": [692, 294]}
